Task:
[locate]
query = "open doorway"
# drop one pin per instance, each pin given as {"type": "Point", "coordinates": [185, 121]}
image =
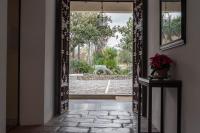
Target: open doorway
{"type": "Point", "coordinates": [100, 53]}
{"type": "Point", "coordinates": [66, 74]}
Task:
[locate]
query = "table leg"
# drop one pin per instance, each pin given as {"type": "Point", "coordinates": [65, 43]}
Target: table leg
{"type": "Point", "coordinates": [179, 96]}
{"type": "Point", "coordinates": [162, 111]}
{"type": "Point", "coordinates": [150, 111]}
{"type": "Point", "coordinates": [139, 108]}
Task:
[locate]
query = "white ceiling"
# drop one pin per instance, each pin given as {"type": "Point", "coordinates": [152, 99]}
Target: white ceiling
{"type": "Point", "coordinates": [107, 6]}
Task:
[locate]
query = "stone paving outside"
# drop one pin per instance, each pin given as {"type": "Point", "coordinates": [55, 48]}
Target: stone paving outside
{"type": "Point", "coordinates": [100, 87]}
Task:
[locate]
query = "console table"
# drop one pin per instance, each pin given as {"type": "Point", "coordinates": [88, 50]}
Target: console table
{"type": "Point", "coordinates": [162, 84]}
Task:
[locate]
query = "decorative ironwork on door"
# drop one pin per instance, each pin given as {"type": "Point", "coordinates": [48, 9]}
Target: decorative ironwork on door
{"type": "Point", "coordinates": [62, 48]}
{"type": "Point", "coordinates": [64, 88]}
{"type": "Point", "coordinates": [139, 47]}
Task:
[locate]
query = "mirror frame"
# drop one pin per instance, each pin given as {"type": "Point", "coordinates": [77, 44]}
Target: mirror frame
{"type": "Point", "coordinates": [178, 42]}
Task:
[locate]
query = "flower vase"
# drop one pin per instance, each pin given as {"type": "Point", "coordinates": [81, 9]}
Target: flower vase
{"type": "Point", "coordinates": [162, 73]}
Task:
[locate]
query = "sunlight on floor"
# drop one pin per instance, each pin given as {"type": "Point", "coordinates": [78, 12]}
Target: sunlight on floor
{"type": "Point", "coordinates": [100, 105]}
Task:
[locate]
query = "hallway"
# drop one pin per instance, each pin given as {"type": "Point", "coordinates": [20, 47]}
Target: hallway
{"type": "Point", "coordinates": [86, 122]}
{"type": "Point", "coordinates": [91, 116]}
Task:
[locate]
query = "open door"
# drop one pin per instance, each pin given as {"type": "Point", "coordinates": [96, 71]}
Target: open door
{"type": "Point", "coordinates": [62, 55]}
{"type": "Point", "coordinates": [62, 52]}
{"type": "Point", "coordinates": [140, 51]}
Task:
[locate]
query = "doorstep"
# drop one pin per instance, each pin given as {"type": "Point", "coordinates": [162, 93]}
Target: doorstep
{"type": "Point", "coordinates": [91, 96]}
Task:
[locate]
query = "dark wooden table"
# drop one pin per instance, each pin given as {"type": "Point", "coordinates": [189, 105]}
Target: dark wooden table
{"type": "Point", "coordinates": [162, 84]}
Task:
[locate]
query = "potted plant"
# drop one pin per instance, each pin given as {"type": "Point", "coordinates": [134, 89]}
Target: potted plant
{"type": "Point", "coordinates": [160, 65]}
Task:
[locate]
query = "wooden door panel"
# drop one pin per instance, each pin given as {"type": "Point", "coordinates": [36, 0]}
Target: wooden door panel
{"type": "Point", "coordinates": [139, 47]}
{"type": "Point", "coordinates": [62, 55]}
{"type": "Point", "coordinates": [65, 28]}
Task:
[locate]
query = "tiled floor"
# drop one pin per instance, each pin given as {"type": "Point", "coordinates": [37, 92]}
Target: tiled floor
{"type": "Point", "coordinates": [120, 104]}
{"type": "Point", "coordinates": [86, 122]}
{"type": "Point", "coordinates": [90, 116]}
{"type": "Point", "coordinates": [94, 122]}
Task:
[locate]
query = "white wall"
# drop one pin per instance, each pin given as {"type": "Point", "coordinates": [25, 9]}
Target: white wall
{"type": "Point", "coordinates": [3, 51]}
{"type": "Point", "coordinates": [37, 61]}
{"type": "Point", "coordinates": [187, 68]}
{"type": "Point", "coordinates": [32, 62]}
{"type": "Point", "coordinates": [153, 39]}
{"type": "Point", "coordinates": [49, 60]}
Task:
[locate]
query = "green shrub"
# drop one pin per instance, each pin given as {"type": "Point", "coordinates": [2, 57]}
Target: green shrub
{"type": "Point", "coordinates": [120, 71]}
{"type": "Point", "coordinates": [125, 57]}
{"type": "Point", "coordinates": [106, 57]}
{"type": "Point", "coordinates": [81, 66]}
{"type": "Point", "coordinates": [110, 53]}
{"type": "Point", "coordinates": [117, 70]}
{"type": "Point", "coordinates": [125, 72]}
{"type": "Point", "coordinates": [98, 58]}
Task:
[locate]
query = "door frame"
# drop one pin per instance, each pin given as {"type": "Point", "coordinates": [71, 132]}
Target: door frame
{"type": "Point", "coordinates": [57, 57]}
{"type": "Point", "coordinates": [145, 55]}
{"type": "Point", "coordinates": [58, 49]}
{"type": "Point", "coordinates": [3, 59]}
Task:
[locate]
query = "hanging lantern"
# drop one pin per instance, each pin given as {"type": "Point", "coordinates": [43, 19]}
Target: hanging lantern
{"type": "Point", "coordinates": [102, 22]}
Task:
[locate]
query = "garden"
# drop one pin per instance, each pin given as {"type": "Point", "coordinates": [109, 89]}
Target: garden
{"type": "Point", "coordinates": [100, 55]}
{"type": "Point", "coordinates": [90, 51]}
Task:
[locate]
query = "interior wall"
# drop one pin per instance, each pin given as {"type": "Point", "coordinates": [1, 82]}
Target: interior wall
{"type": "Point", "coordinates": [32, 62]}
{"type": "Point", "coordinates": [187, 69]}
{"type": "Point", "coordinates": [3, 58]}
{"type": "Point", "coordinates": [37, 61]}
{"type": "Point", "coordinates": [49, 60]}
{"type": "Point", "coordinates": [153, 39]}
{"type": "Point", "coordinates": [12, 62]}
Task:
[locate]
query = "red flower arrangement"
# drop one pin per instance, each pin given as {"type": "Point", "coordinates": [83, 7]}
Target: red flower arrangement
{"type": "Point", "coordinates": [160, 63]}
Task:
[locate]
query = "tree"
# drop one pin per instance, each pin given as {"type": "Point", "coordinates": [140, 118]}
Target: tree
{"type": "Point", "coordinates": [75, 33]}
{"type": "Point", "coordinates": [85, 31]}
{"type": "Point", "coordinates": [75, 40]}
{"type": "Point", "coordinates": [126, 42]}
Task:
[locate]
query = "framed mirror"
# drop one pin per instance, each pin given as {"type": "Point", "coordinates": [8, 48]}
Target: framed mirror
{"type": "Point", "coordinates": [172, 23]}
